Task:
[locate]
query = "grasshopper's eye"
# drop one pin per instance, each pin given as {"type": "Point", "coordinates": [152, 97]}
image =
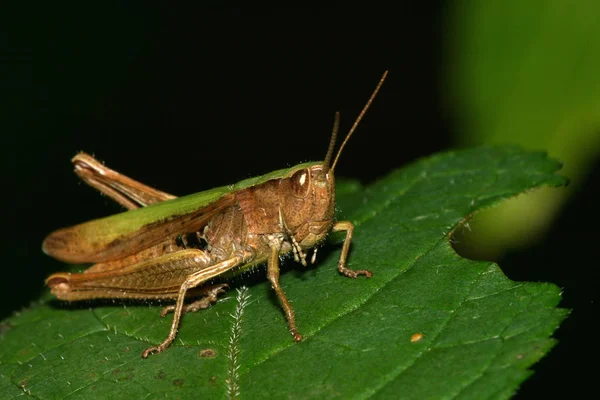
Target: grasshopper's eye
{"type": "Point", "coordinates": [300, 183]}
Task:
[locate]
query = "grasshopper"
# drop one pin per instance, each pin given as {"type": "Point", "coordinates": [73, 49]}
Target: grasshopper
{"type": "Point", "coordinates": [166, 247]}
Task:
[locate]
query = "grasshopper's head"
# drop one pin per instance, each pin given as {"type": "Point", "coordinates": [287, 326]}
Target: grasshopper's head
{"type": "Point", "coordinates": [307, 206]}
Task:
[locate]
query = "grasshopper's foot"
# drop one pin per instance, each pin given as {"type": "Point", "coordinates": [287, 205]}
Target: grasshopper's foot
{"type": "Point", "coordinates": [297, 336]}
{"type": "Point", "coordinates": [350, 273]}
{"type": "Point", "coordinates": [153, 350]}
{"type": "Point", "coordinates": [210, 293]}
{"type": "Point", "coordinates": [161, 347]}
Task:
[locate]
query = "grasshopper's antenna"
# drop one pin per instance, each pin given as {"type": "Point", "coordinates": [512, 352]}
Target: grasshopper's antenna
{"type": "Point", "coordinates": [336, 126]}
{"type": "Point", "coordinates": [362, 113]}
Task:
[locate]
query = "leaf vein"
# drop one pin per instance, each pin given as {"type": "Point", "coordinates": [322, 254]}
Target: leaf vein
{"type": "Point", "coordinates": [394, 375]}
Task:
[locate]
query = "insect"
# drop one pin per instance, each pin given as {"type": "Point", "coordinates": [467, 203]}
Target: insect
{"type": "Point", "coordinates": [165, 247]}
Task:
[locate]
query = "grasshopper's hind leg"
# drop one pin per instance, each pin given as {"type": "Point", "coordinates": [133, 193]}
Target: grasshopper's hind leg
{"type": "Point", "coordinates": [209, 297]}
{"type": "Point", "coordinates": [192, 281]}
{"type": "Point", "coordinates": [128, 192]}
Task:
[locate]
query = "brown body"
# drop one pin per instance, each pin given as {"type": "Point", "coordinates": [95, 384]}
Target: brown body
{"type": "Point", "coordinates": [297, 211]}
{"type": "Point", "coordinates": [173, 257]}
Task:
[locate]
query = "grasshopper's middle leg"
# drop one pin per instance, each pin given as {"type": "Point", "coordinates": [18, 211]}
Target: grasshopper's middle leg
{"type": "Point", "coordinates": [128, 192]}
{"type": "Point", "coordinates": [192, 281]}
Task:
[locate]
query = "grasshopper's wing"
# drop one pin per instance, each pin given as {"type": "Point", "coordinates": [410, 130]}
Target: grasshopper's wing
{"type": "Point", "coordinates": [126, 233]}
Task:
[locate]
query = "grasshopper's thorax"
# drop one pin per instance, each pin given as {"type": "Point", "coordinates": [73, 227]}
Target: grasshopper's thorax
{"type": "Point", "coordinates": [307, 205]}
{"type": "Point", "coordinates": [297, 209]}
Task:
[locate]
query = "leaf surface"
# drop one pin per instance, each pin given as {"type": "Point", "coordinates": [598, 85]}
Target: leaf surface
{"type": "Point", "coordinates": [480, 331]}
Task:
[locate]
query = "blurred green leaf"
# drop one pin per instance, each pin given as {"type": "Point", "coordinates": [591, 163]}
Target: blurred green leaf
{"type": "Point", "coordinates": [480, 331]}
{"type": "Point", "coordinates": [525, 73]}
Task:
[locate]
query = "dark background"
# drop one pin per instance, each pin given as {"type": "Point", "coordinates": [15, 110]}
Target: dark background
{"type": "Point", "coordinates": [187, 99]}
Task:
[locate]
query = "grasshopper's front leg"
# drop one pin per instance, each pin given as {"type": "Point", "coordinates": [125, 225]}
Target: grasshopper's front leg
{"type": "Point", "coordinates": [348, 227]}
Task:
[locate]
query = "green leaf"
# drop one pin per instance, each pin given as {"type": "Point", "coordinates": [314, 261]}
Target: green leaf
{"type": "Point", "coordinates": [480, 331]}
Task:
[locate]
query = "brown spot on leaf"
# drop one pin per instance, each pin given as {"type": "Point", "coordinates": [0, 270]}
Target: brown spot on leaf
{"type": "Point", "coordinates": [25, 351]}
{"type": "Point", "coordinates": [161, 375]}
{"type": "Point", "coordinates": [126, 378]}
{"type": "Point", "coordinates": [178, 382]}
{"type": "Point", "coordinates": [208, 353]}
{"type": "Point", "coordinates": [23, 383]}
{"type": "Point", "coordinates": [416, 337]}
